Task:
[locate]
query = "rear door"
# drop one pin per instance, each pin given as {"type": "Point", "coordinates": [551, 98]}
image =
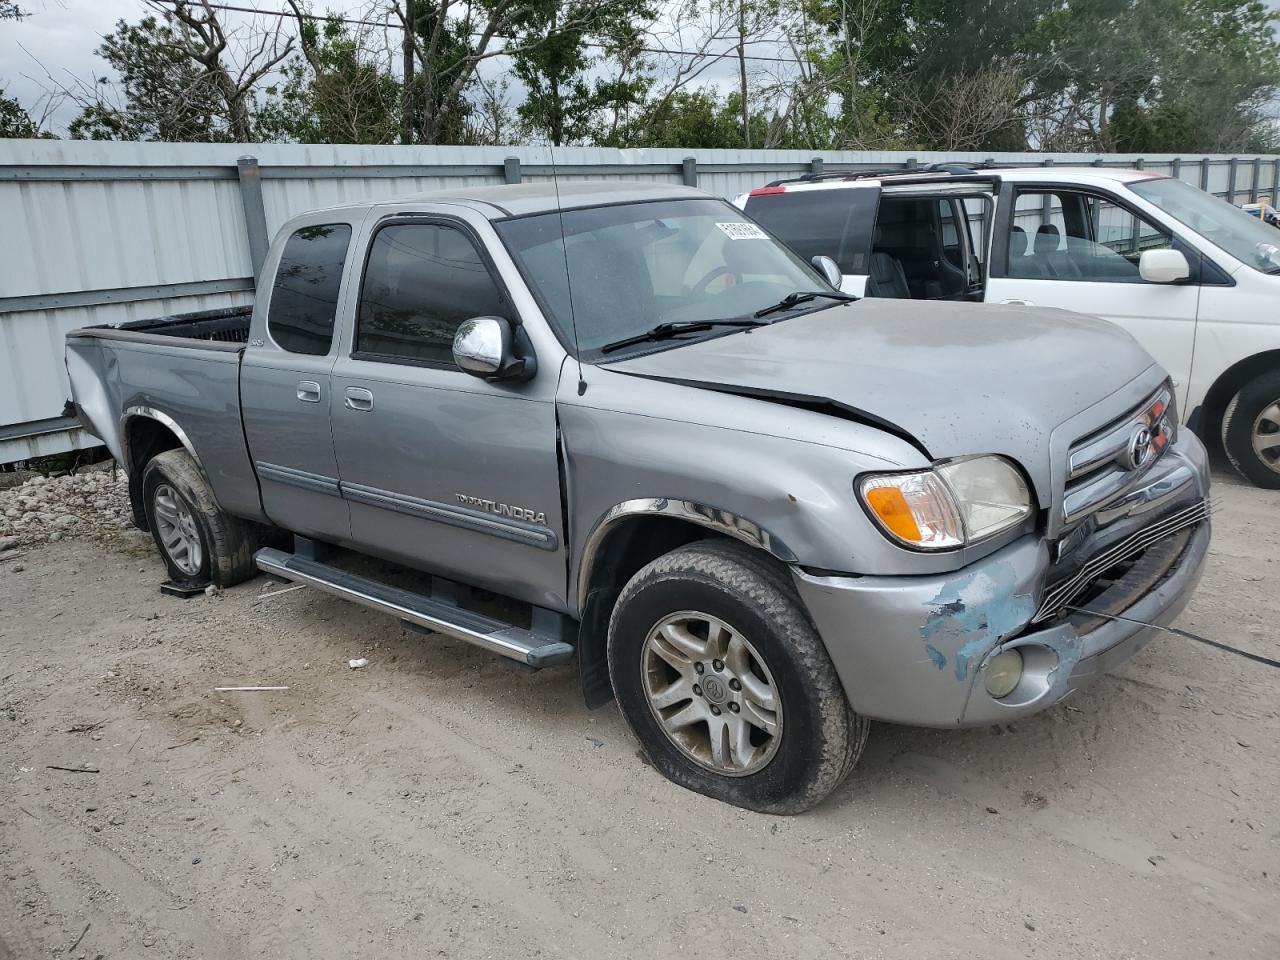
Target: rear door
{"type": "Point", "coordinates": [833, 222]}
{"type": "Point", "coordinates": [442, 470]}
{"type": "Point", "coordinates": [285, 389]}
{"type": "Point", "coordinates": [1078, 249]}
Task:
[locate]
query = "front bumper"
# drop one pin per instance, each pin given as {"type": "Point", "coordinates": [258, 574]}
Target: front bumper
{"type": "Point", "coordinates": [914, 649]}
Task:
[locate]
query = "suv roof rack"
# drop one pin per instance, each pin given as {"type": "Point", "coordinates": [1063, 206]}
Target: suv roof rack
{"type": "Point", "coordinates": [957, 169]}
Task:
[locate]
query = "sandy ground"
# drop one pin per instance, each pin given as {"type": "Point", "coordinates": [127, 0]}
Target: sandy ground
{"type": "Point", "coordinates": [440, 803]}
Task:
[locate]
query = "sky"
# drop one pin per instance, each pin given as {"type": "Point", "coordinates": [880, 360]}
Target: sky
{"type": "Point", "coordinates": [55, 46]}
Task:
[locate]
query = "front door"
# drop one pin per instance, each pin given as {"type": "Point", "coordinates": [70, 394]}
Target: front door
{"type": "Point", "coordinates": [285, 391]}
{"type": "Point", "coordinates": [442, 470]}
{"type": "Point", "coordinates": [1079, 250]}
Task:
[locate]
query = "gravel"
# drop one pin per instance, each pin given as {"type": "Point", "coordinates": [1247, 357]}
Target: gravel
{"type": "Point", "coordinates": [91, 503]}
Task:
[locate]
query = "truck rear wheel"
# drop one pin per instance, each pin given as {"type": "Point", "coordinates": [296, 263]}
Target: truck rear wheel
{"type": "Point", "coordinates": [1251, 431]}
{"type": "Point", "coordinates": [725, 682]}
{"type": "Point", "coordinates": [198, 541]}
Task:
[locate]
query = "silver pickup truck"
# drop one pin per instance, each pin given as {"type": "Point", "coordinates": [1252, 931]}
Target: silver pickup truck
{"type": "Point", "coordinates": [759, 513]}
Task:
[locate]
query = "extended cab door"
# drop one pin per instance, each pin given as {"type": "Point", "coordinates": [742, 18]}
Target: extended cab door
{"type": "Point", "coordinates": [1078, 249]}
{"type": "Point", "coordinates": [285, 390]}
{"type": "Point", "coordinates": [442, 470]}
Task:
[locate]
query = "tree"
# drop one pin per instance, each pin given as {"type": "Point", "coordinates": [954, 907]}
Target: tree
{"type": "Point", "coordinates": [15, 122]}
{"type": "Point", "coordinates": [561, 102]}
{"type": "Point", "coordinates": [333, 91]}
{"type": "Point", "coordinates": [163, 94]}
{"type": "Point", "coordinates": [184, 77]}
{"type": "Point", "coordinates": [11, 11]}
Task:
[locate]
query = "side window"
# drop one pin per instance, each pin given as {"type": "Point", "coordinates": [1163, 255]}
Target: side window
{"type": "Point", "coordinates": [834, 223]}
{"type": "Point", "coordinates": [1078, 236]}
{"type": "Point", "coordinates": [304, 295]}
{"type": "Point", "coordinates": [421, 282]}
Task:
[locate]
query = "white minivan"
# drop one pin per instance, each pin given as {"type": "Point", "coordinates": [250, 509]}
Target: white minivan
{"type": "Point", "coordinates": [1194, 279]}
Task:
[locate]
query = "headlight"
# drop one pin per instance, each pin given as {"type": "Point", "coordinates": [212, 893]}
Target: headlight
{"type": "Point", "coordinates": [954, 504]}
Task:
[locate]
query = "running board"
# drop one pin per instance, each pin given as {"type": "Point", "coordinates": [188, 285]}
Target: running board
{"type": "Point", "coordinates": [525, 646]}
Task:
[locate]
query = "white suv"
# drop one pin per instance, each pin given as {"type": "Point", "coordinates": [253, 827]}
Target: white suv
{"type": "Point", "coordinates": [1194, 279]}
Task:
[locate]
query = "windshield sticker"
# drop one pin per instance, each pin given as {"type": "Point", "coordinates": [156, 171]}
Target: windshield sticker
{"type": "Point", "coordinates": [742, 231]}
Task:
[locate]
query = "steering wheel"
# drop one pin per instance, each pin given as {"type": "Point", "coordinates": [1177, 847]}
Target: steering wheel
{"type": "Point", "coordinates": [700, 287]}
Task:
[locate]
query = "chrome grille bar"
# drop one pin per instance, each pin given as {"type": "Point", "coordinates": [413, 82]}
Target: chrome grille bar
{"type": "Point", "coordinates": [1062, 593]}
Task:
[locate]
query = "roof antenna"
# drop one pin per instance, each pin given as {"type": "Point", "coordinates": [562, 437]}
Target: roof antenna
{"type": "Point", "coordinates": [568, 279]}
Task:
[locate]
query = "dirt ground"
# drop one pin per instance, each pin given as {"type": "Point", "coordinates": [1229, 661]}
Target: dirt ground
{"type": "Point", "coordinates": [441, 803]}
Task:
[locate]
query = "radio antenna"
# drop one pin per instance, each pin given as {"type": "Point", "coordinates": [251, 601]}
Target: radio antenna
{"type": "Point", "coordinates": [568, 277]}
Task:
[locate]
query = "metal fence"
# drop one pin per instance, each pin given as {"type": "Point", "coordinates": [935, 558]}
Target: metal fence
{"type": "Point", "coordinates": [97, 233]}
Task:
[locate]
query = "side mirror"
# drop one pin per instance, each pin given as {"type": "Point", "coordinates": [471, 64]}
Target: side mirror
{"type": "Point", "coordinates": [483, 348]}
{"type": "Point", "coordinates": [1163, 266]}
{"type": "Point", "coordinates": [829, 269]}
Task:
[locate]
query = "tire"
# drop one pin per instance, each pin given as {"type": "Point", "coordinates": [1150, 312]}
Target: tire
{"type": "Point", "coordinates": [1253, 416]}
{"type": "Point", "coordinates": [731, 587]}
{"type": "Point", "coordinates": [219, 546]}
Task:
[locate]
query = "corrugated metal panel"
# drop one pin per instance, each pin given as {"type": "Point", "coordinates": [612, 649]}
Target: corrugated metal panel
{"type": "Point", "coordinates": [93, 218]}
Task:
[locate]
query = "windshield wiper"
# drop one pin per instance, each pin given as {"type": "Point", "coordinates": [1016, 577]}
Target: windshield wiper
{"type": "Point", "coordinates": [665, 331]}
{"type": "Point", "coordinates": [803, 296]}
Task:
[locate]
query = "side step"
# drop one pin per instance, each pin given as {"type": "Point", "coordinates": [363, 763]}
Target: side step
{"type": "Point", "coordinates": [530, 648]}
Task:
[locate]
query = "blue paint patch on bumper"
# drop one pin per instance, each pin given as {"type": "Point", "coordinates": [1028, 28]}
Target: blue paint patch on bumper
{"type": "Point", "coordinates": [974, 612]}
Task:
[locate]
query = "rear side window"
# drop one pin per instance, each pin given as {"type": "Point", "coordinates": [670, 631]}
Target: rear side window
{"type": "Point", "coordinates": [421, 282]}
{"type": "Point", "coordinates": [304, 297]}
{"type": "Point", "coordinates": [829, 223]}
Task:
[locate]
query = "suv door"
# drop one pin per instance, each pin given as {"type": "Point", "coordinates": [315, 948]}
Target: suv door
{"type": "Point", "coordinates": [284, 379]}
{"type": "Point", "coordinates": [442, 470]}
{"type": "Point", "coordinates": [1078, 249]}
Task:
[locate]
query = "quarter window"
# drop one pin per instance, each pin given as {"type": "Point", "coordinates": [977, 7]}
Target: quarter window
{"type": "Point", "coordinates": [422, 281]}
{"type": "Point", "coordinates": [304, 295]}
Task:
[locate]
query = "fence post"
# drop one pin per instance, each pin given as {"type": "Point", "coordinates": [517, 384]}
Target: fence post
{"type": "Point", "coordinates": [1205, 166]}
{"type": "Point", "coordinates": [1257, 179]}
{"type": "Point", "coordinates": [1176, 168]}
{"type": "Point", "coordinates": [1233, 166]}
{"type": "Point", "coordinates": [511, 170]}
{"type": "Point", "coordinates": [1046, 205]}
{"type": "Point", "coordinates": [1139, 164]}
{"type": "Point", "coordinates": [255, 213]}
{"type": "Point", "coordinates": [912, 163]}
{"type": "Point", "coordinates": [690, 171]}
{"type": "Point", "coordinates": [815, 166]}
{"type": "Point", "coordinates": [1275, 180]}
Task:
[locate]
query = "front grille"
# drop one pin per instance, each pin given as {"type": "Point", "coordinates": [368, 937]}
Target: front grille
{"type": "Point", "coordinates": [1058, 595]}
{"type": "Point", "coordinates": [1103, 464]}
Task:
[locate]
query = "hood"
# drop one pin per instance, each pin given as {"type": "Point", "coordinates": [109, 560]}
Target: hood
{"type": "Point", "coordinates": [958, 379]}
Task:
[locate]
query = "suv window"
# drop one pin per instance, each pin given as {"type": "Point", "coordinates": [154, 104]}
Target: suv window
{"type": "Point", "coordinates": [1079, 236]}
{"type": "Point", "coordinates": [304, 295]}
{"type": "Point", "coordinates": [421, 282]}
{"type": "Point", "coordinates": [831, 223]}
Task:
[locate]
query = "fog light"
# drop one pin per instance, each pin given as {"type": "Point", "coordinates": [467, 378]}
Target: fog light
{"type": "Point", "coordinates": [1003, 673]}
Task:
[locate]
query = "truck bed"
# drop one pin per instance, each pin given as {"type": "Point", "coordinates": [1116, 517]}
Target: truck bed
{"type": "Point", "coordinates": [179, 373]}
{"type": "Point", "coordinates": [228, 325]}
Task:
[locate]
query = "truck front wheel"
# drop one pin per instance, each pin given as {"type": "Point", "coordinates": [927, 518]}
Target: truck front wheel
{"type": "Point", "coordinates": [1251, 430]}
{"type": "Point", "coordinates": [198, 541]}
{"type": "Point", "coordinates": [725, 682]}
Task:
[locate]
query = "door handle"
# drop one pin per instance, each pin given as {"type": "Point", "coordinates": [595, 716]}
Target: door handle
{"type": "Point", "coordinates": [308, 391]}
{"type": "Point", "coordinates": [1019, 303]}
{"type": "Point", "coordinates": [358, 398]}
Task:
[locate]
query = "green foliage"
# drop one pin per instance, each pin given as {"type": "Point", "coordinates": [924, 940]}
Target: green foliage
{"type": "Point", "coordinates": [331, 92]}
{"type": "Point", "coordinates": [167, 95]}
{"type": "Point", "coordinates": [15, 122]}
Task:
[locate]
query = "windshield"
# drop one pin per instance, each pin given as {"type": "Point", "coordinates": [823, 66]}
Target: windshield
{"type": "Point", "coordinates": [1246, 238]}
{"type": "Point", "coordinates": [633, 266]}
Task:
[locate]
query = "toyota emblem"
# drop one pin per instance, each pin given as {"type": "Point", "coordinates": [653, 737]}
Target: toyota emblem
{"type": "Point", "coordinates": [1138, 452]}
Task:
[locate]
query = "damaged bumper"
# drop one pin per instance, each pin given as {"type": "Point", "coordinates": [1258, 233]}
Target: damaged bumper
{"type": "Point", "coordinates": [915, 649]}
